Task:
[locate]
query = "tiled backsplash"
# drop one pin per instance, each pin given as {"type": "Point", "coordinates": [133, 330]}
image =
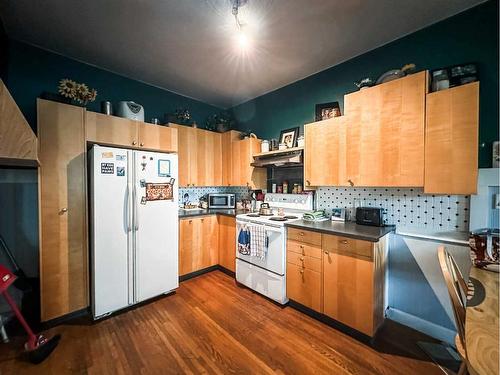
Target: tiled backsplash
{"type": "Point", "coordinates": [195, 193]}
{"type": "Point", "coordinates": [405, 207]}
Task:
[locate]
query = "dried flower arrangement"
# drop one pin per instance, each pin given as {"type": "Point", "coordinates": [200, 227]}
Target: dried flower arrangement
{"type": "Point", "coordinates": [76, 91]}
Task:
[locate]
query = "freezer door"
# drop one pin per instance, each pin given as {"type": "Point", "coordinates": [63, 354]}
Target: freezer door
{"type": "Point", "coordinates": [111, 235]}
{"type": "Point", "coordinates": [155, 224]}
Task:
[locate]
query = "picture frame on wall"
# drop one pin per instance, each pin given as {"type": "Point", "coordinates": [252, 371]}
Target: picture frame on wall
{"type": "Point", "coordinates": [289, 137]}
{"type": "Point", "coordinates": [325, 111]}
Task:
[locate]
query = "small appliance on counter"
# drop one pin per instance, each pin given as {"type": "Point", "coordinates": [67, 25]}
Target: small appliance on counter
{"type": "Point", "coordinates": [220, 200]}
{"type": "Point", "coordinates": [373, 216]}
{"type": "Point", "coordinates": [130, 110]}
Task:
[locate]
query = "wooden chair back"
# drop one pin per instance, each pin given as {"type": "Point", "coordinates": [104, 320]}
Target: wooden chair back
{"type": "Point", "coordinates": [457, 289]}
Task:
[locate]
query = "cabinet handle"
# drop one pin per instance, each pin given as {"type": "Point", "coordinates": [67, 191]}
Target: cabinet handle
{"type": "Point", "coordinates": [344, 242]}
{"type": "Point", "coordinates": [301, 258]}
{"type": "Point", "coordinates": [63, 210]}
{"type": "Point", "coordinates": [301, 233]}
{"type": "Point", "coordinates": [190, 221]}
{"type": "Point", "coordinates": [302, 271]}
{"type": "Point", "coordinates": [308, 182]}
{"type": "Point", "coordinates": [142, 144]}
{"type": "Point", "coordinates": [202, 220]}
{"type": "Point", "coordinates": [350, 182]}
{"type": "Point", "coordinates": [134, 143]}
{"type": "Point", "coordinates": [326, 252]}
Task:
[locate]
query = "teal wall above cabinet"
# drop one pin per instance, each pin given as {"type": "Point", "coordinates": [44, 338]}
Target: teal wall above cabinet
{"type": "Point", "coordinates": [32, 70]}
{"type": "Point", "coordinates": [471, 36]}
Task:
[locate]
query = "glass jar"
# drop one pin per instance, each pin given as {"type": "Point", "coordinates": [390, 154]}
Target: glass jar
{"type": "Point", "coordinates": [440, 80]}
{"type": "Point", "coordinates": [264, 146]}
{"type": "Point", "coordinates": [300, 141]}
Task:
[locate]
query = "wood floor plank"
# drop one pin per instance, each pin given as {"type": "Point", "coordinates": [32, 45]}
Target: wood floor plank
{"type": "Point", "coordinates": [210, 326]}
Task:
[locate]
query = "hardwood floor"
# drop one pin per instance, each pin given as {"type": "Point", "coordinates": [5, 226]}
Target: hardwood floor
{"type": "Point", "coordinates": [210, 326]}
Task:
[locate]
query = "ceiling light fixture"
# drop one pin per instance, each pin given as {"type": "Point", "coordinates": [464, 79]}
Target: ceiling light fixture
{"type": "Point", "coordinates": [242, 38]}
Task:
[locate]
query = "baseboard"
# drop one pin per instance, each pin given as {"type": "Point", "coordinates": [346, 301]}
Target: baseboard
{"type": "Point", "coordinates": [198, 273]}
{"type": "Point", "coordinates": [66, 318]}
{"type": "Point", "coordinates": [431, 329]}
{"type": "Point", "coordinates": [226, 271]}
{"type": "Point", "coordinates": [332, 323]}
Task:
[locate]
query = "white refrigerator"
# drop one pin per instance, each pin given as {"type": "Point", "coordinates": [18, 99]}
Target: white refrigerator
{"type": "Point", "coordinates": [134, 227]}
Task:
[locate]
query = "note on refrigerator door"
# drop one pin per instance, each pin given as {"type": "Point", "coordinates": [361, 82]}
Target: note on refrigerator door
{"type": "Point", "coordinates": [163, 168]}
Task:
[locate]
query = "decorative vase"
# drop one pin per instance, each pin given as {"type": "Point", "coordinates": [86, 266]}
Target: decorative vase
{"type": "Point", "coordinates": [221, 128]}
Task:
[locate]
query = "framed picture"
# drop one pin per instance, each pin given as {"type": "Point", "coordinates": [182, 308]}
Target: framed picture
{"type": "Point", "coordinates": [289, 137]}
{"type": "Point", "coordinates": [325, 111]}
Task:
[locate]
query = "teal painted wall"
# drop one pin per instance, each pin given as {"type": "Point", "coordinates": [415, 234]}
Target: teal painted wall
{"type": "Point", "coordinates": [32, 70]}
{"type": "Point", "coordinates": [471, 36]}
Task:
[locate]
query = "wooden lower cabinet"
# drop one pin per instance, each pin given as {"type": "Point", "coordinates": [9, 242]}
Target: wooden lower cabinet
{"type": "Point", "coordinates": [227, 242]}
{"type": "Point", "coordinates": [340, 277]}
{"type": "Point", "coordinates": [348, 290]}
{"type": "Point", "coordinates": [198, 244]}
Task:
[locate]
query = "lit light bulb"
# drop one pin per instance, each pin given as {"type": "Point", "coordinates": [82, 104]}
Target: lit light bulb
{"type": "Point", "coordinates": [242, 40]}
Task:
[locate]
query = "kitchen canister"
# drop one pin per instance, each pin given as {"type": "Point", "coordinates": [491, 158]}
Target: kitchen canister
{"type": "Point", "coordinates": [300, 141]}
{"type": "Point", "coordinates": [106, 108]}
{"type": "Point", "coordinates": [264, 146]}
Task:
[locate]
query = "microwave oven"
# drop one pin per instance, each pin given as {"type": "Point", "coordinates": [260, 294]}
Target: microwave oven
{"type": "Point", "coordinates": [221, 200]}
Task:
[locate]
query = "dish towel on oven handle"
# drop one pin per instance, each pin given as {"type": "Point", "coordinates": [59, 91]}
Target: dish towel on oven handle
{"type": "Point", "coordinates": [244, 241]}
{"type": "Point", "coordinates": [258, 241]}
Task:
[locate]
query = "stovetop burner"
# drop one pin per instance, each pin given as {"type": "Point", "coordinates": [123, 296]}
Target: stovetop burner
{"type": "Point", "coordinates": [278, 218]}
{"type": "Point", "coordinates": [266, 214]}
{"type": "Point", "coordinates": [253, 215]}
{"type": "Point", "coordinates": [291, 217]}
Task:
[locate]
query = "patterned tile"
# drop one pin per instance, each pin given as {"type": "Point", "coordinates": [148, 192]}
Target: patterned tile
{"type": "Point", "coordinates": [195, 193]}
{"type": "Point", "coordinates": [405, 207]}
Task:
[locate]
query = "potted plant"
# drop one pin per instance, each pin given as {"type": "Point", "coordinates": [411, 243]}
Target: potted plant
{"type": "Point", "coordinates": [221, 122]}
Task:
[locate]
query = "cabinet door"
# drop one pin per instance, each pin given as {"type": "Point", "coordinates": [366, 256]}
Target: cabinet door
{"type": "Point", "coordinates": [304, 286]}
{"type": "Point", "coordinates": [385, 133]}
{"type": "Point", "coordinates": [227, 242]}
{"type": "Point", "coordinates": [227, 156]}
{"type": "Point", "coordinates": [63, 217]}
{"type": "Point", "coordinates": [451, 143]}
{"type": "Point", "coordinates": [209, 158]}
{"type": "Point", "coordinates": [209, 241]}
{"type": "Point", "coordinates": [159, 138]}
{"type": "Point", "coordinates": [190, 232]}
{"type": "Point", "coordinates": [348, 290]}
{"type": "Point", "coordinates": [111, 130]}
{"type": "Point", "coordinates": [252, 177]}
{"type": "Point", "coordinates": [187, 152]}
{"type": "Point", "coordinates": [324, 155]}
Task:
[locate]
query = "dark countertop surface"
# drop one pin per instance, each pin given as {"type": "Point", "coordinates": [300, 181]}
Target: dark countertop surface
{"type": "Point", "coordinates": [347, 229]}
{"type": "Point", "coordinates": [202, 212]}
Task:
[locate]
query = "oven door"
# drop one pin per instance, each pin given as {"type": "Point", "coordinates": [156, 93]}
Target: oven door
{"type": "Point", "coordinates": [275, 257]}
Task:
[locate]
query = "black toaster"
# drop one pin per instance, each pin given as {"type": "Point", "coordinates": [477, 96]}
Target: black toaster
{"type": "Point", "coordinates": [370, 216]}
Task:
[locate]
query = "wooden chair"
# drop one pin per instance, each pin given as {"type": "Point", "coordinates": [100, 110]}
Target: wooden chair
{"type": "Point", "coordinates": [458, 291]}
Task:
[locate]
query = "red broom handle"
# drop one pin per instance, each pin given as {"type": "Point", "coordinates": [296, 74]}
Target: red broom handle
{"type": "Point", "coordinates": [13, 306]}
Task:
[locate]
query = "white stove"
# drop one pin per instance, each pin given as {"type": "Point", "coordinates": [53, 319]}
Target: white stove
{"type": "Point", "coordinates": [267, 275]}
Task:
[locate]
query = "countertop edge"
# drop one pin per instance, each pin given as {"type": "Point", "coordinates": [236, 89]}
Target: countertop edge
{"type": "Point", "coordinates": [363, 237]}
{"type": "Point", "coordinates": [434, 237]}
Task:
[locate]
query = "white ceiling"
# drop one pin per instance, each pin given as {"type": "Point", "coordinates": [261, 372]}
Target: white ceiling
{"type": "Point", "coordinates": [188, 46]}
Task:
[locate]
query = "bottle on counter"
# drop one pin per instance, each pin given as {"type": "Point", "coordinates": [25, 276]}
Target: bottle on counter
{"type": "Point", "coordinates": [285, 187]}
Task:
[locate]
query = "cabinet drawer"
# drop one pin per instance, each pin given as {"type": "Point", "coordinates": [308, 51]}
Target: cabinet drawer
{"type": "Point", "coordinates": [304, 261]}
{"type": "Point", "coordinates": [303, 249]}
{"type": "Point", "coordinates": [338, 244]}
{"type": "Point", "coordinates": [313, 238]}
{"type": "Point", "coordinates": [304, 286]}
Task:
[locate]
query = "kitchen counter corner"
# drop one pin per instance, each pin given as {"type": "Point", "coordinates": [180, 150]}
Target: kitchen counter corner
{"type": "Point", "coordinates": [345, 229]}
{"type": "Point", "coordinates": [202, 212]}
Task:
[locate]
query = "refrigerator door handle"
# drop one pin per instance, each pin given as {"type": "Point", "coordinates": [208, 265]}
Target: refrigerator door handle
{"type": "Point", "coordinates": [136, 210]}
{"type": "Point", "coordinates": [127, 208]}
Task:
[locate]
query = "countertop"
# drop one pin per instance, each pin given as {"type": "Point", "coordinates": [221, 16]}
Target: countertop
{"type": "Point", "coordinates": [347, 229]}
{"type": "Point", "coordinates": [452, 237]}
{"type": "Point", "coordinates": [202, 212]}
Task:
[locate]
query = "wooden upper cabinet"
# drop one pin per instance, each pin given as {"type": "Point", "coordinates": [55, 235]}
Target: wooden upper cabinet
{"type": "Point", "coordinates": [111, 130]}
{"type": "Point", "coordinates": [451, 147]}
{"type": "Point", "coordinates": [118, 131]}
{"type": "Point", "coordinates": [63, 217]}
{"type": "Point", "coordinates": [243, 174]}
{"type": "Point", "coordinates": [227, 156]}
{"type": "Point", "coordinates": [209, 158]}
{"type": "Point", "coordinates": [325, 153]}
{"type": "Point", "coordinates": [385, 133]}
{"type": "Point", "coordinates": [156, 137]}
